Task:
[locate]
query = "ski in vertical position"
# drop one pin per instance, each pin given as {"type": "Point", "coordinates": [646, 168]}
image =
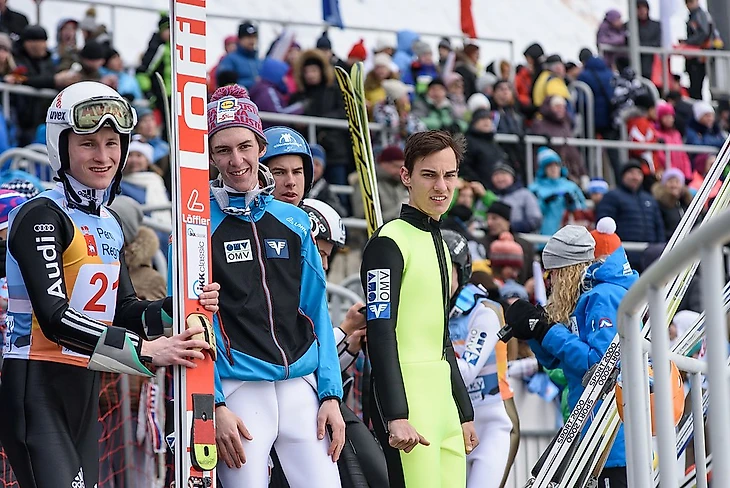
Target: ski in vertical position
{"type": "Point", "coordinates": [194, 389]}
{"type": "Point", "coordinates": [352, 89]}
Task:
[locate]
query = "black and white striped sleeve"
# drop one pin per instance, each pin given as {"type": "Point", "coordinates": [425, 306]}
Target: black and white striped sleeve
{"type": "Point", "coordinates": [41, 265]}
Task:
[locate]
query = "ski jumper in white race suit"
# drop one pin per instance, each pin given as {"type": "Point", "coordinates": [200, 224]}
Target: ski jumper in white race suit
{"type": "Point", "coordinates": [482, 359]}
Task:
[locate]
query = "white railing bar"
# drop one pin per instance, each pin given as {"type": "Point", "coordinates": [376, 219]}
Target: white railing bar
{"type": "Point", "coordinates": [716, 343]}
{"type": "Point", "coordinates": [699, 429]}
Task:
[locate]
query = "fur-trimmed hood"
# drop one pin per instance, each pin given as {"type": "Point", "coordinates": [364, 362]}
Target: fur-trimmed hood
{"type": "Point", "coordinates": [307, 57]}
{"type": "Point", "coordinates": [661, 194]}
{"type": "Point", "coordinates": [141, 251]}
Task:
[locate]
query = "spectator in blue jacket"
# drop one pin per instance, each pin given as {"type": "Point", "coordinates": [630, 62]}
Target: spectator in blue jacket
{"type": "Point", "coordinates": [555, 193]}
{"type": "Point", "coordinates": [403, 56]}
{"type": "Point", "coordinates": [703, 129]}
{"type": "Point", "coordinates": [599, 77]}
{"type": "Point", "coordinates": [270, 92]}
{"type": "Point", "coordinates": [637, 214]}
{"type": "Point", "coordinates": [244, 60]}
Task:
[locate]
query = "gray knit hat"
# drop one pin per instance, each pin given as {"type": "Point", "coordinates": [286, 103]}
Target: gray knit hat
{"type": "Point", "coordinates": [572, 244]}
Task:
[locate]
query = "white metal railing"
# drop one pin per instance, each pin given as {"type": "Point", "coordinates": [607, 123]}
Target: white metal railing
{"type": "Point", "coordinates": [713, 56]}
{"type": "Point", "coordinates": [529, 140]}
{"type": "Point", "coordinates": [704, 244]}
{"type": "Point", "coordinates": [113, 6]}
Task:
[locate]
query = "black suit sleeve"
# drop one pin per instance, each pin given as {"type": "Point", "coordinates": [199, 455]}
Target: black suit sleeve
{"type": "Point", "coordinates": [458, 388]}
{"type": "Point", "coordinates": [40, 234]}
{"type": "Point", "coordinates": [382, 253]}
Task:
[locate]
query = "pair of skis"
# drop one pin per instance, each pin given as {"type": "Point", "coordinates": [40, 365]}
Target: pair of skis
{"type": "Point", "coordinates": [556, 464]}
{"type": "Point", "coordinates": [352, 87]}
{"type": "Point", "coordinates": [582, 469]}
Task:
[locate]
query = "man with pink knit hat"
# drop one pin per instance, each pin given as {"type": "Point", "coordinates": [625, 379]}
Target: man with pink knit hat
{"type": "Point", "coordinates": [278, 378]}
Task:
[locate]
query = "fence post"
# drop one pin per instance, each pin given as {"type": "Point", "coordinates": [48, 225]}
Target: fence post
{"type": "Point", "coordinates": [699, 429]}
{"type": "Point", "coordinates": [126, 407]}
{"type": "Point", "coordinates": [312, 133]}
{"type": "Point", "coordinates": [716, 339]}
{"type": "Point", "coordinates": [529, 161]}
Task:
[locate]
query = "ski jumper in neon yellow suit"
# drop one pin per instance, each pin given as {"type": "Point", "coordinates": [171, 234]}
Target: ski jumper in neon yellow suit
{"type": "Point", "coordinates": [406, 275]}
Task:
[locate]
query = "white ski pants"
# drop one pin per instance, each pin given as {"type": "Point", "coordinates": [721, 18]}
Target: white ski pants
{"type": "Point", "coordinates": [485, 465]}
{"type": "Point", "coordinates": [281, 414]}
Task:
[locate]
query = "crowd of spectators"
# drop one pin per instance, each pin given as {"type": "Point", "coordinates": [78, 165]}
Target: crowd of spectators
{"type": "Point", "coordinates": [412, 86]}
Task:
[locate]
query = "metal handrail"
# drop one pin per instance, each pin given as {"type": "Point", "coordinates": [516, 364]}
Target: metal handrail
{"type": "Point", "coordinates": [704, 244]}
{"type": "Point", "coordinates": [263, 20]}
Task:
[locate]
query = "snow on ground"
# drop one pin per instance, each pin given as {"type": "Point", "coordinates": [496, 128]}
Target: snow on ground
{"type": "Point", "coordinates": [561, 26]}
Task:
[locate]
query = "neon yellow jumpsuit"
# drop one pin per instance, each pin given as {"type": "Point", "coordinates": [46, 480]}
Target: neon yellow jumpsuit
{"type": "Point", "coordinates": [406, 276]}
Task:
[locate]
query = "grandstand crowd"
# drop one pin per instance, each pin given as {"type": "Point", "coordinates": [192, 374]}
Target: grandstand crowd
{"type": "Point", "coordinates": [410, 86]}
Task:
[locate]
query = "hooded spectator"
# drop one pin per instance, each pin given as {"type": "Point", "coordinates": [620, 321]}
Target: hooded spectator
{"type": "Point", "coordinates": [403, 56]}
{"type": "Point", "coordinates": [66, 52]}
{"type": "Point", "coordinates": [270, 92]}
{"type": "Point", "coordinates": [599, 77]}
{"type": "Point", "coordinates": [613, 33]}
{"type": "Point", "coordinates": [320, 97]}
{"type": "Point", "coordinates": [245, 59]}
{"type": "Point", "coordinates": [423, 69]}
{"type": "Point", "coordinates": [699, 35]}
{"type": "Point", "coordinates": [445, 49]}
{"type": "Point", "coordinates": [555, 193]}
{"type": "Point", "coordinates": [482, 152]}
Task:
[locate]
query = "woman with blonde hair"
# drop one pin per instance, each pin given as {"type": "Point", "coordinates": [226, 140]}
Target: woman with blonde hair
{"type": "Point", "coordinates": [578, 323]}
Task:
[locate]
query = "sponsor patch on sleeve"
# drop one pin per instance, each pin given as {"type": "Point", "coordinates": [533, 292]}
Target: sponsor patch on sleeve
{"type": "Point", "coordinates": [378, 294]}
{"type": "Point", "coordinates": [474, 346]}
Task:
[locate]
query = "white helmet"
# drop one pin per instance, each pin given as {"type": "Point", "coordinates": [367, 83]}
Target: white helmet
{"type": "Point", "coordinates": [85, 107]}
{"type": "Point", "coordinates": [326, 222]}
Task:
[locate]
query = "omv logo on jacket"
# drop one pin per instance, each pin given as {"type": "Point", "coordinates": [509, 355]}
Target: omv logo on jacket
{"type": "Point", "coordinates": [378, 294]}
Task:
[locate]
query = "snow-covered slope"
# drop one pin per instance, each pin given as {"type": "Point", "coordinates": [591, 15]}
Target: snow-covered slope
{"type": "Point", "coordinates": [561, 26]}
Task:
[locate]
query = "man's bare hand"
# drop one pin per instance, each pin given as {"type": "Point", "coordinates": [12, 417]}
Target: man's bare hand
{"type": "Point", "coordinates": [402, 435]}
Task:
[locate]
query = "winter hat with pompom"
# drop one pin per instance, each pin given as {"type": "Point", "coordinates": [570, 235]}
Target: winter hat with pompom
{"type": "Point", "coordinates": [506, 252]}
{"type": "Point", "coordinates": [231, 106]}
{"type": "Point", "coordinates": [605, 236]}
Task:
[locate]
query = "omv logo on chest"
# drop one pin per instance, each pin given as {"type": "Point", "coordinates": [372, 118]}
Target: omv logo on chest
{"type": "Point", "coordinates": [276, 248]}
{"type": "Point", "coordinates": [238, 251]}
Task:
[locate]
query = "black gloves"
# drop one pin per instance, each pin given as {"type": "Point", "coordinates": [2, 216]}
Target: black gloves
{"type": "Point", "coordinates": [527, 321]}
